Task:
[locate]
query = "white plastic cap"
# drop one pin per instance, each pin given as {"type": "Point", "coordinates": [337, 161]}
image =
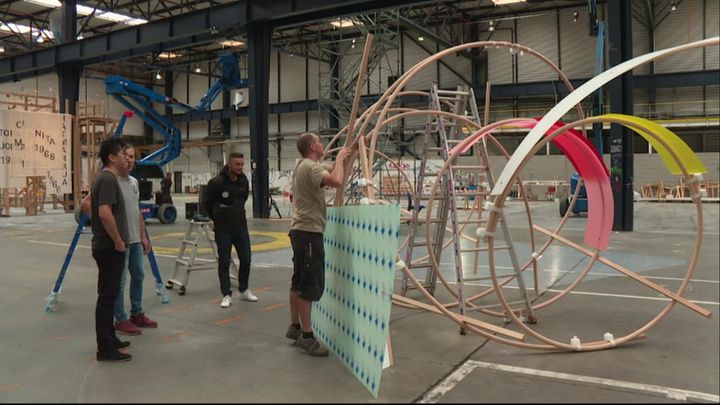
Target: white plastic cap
{"type": "Point", "coordinates": [400, 264]}
{"type": "Point", "coordinates": [575, 341]}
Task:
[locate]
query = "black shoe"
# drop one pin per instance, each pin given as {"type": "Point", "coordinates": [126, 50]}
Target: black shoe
{"type": "Point", "coordinates": [113, 356]}
{"type": "Point", "coordinates": [119, 344]}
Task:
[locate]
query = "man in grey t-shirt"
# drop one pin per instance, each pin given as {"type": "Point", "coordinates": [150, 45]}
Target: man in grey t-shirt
{"type": "Point", "coordinates": [110, 236]}
{"type": "Point", "coordinates": [306, 236]}
{"type": "Point", "coordinates": [138, 245]}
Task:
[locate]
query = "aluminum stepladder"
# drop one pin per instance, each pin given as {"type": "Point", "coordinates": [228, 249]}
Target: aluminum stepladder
{"type": "Point", "coordinates": [439, 222]}
{"type": "Point", "coordinates": [460, 100]}
{"type": "Point", "coordinates": [196, 230]}
{"type": "Point", "coordinates": [485, 171]}
{"type": "Point", "coordinates": [82, 222]}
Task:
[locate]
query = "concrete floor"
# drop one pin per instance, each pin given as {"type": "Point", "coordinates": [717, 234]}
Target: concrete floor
{"type": "Point", "coordinates": [202, 353]}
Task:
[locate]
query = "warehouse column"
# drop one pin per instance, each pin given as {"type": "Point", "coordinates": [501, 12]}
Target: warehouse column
{"type": "Point", "coordinates": [621, 102]}
{"type": "Point", "coordinates": [69, 90]}
{"type": "Point", "coordinates": [259, 36]}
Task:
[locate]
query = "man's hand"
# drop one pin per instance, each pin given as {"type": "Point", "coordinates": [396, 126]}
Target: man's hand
{"type": "Point", "coordinates": [343, 154]}
{"type": "Point", "coordinates": [146, 245]}
{"type": "Point", "coordinates": [120, 246]}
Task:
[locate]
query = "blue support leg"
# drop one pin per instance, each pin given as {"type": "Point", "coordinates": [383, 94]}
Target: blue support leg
{"type": "Point", "coordinates": [159, 286]}
{"type": "Point", "coordinates": [52, 298]}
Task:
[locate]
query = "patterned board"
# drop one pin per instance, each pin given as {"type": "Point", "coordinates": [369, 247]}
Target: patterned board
{"type": "Point", "coordinates": [353, 315]}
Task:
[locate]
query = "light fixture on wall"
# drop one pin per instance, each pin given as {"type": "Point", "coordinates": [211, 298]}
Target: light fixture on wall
{"type": "Point", "coordinates": [491, 26]}
{"type": "Point", "coordinates": [158, 76]}
{"type": "Point", "coordinates": [673, 6]}
{"type": "Point", "coordinates": [2, 49]}
{"type": "Point", "coordinates": [197, 69]}
{"type": "Point", "coordinates": [352, 45]}
{"type": "Point", "coordinates": [80, 37]}
{"type": "Point", "coordinates": [421, 38]}
{"type": "Point", "coordinates": [40, 38]}
{"type": "Point", "coordinates": [576, 16]}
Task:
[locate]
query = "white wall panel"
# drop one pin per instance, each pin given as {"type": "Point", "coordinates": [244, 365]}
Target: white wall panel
{"type": "Point", "coordinates": [313, 77]}
{"type": "Point", "coordinates": [712, 29]}
{"type": "Point", "coordinates": [577, 47]}
{"type": "Point", "coordinates": [640, 45]}
{"type": "Point", "coordinates": [292, 77]}
{"type": "Point", "coordinates": [500, 68]}
{"type": "Point", "coordinates": [680, 27]}
{"type": "Point", "coordinates": [273, 78]}
{"type": "Point", "coordinates": [461, 65]}
{"type": "Point", "coordinates": [540, 34]}
{"type": "Point", "coordinates": [414, 54]}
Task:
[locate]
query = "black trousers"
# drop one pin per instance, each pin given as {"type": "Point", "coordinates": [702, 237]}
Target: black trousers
{"type": "Point", "coordinates": [110, 266]}
{"type": "Point", "coordinates": [225, 240]}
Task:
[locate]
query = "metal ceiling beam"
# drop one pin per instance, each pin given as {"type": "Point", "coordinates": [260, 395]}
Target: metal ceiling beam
{"type": "Point", "coordinates": [185, 29]}
{"type": "Point", "coordinates": [499, 91]}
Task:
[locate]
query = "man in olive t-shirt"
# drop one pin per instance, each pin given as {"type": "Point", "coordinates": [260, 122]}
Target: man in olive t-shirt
{"type": "Point", "coordinates": [306, 237]}
{"type": "Point", "coordinates": [110, 236]}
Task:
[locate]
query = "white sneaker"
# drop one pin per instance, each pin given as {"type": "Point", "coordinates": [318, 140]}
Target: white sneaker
{"type": "Point", "coordinates": [226, 301]}
{"type": "Point", "coordinates": [247, 295]}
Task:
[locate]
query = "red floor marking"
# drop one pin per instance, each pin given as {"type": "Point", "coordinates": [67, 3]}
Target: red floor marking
{"type": "Point", "coordinates": [271, 307]}
{"type": "Point", "coordinates": [228, 320]}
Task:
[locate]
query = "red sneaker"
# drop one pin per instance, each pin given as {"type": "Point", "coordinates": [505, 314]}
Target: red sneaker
{"type": "Point", "coordinates": [142, 321]}
{"type": "Point", "coordinates": [127, 328]}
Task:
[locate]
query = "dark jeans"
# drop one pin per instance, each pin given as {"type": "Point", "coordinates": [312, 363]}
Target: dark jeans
{"type": "Point", "coordinates": [110, 266]}
{"type": "Point", "coordinates": [225, 240]}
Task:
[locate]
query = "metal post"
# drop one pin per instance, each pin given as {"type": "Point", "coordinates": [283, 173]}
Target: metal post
{"type": "Point", "coordinates": [259, 36]}
{"type": "Point", "coordinates": [621, 102]}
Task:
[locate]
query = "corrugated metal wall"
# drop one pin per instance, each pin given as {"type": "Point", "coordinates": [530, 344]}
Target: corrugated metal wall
{"type": "Point", "coordinates": [500, 67]}
{"type": "Point", "coordinates": [681, 26]}
{"type": "Point", "coordinates": [577, 48]}
{"type": "Point", "coordinates": [540, 34]}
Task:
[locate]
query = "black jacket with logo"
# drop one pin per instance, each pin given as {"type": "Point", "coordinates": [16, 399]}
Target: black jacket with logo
{"type": "Point", "coordinates": [224, 201]}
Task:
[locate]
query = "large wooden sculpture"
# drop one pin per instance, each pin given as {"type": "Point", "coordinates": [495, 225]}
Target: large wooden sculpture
{"type": "Point", "coordinates": [482, 234]}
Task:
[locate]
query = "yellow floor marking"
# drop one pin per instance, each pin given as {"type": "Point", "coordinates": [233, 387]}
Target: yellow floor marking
{"type": "Point", "coordinates": [280, 241]}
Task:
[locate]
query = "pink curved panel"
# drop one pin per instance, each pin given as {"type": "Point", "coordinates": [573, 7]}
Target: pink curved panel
{"type": "Point", "coordinates": [586, 159]}
{"type": "Point", "coordinates": [587, 162]}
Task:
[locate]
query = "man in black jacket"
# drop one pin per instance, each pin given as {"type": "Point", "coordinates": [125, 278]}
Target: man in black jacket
{"type": "Point", "coordinates": [224, 201]}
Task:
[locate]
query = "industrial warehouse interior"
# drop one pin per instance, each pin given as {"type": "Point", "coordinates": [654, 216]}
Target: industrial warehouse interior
{"type": "Point", "coordinates": [517, 201]}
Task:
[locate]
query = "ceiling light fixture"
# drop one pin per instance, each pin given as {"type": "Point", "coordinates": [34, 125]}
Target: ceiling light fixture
{"type": "Point", "coordinates": [2, 49]}
{"type": "Point", "coordinates": [421, 38]}
{"type": "Point", "coordinates": [231, 43]}
{"type": "Point", "coordinates": [576, 16]}
{"type": "Point", "coordinates": [673, 6]}
{"type": "Point", "coordinates": [491, 26]}
{"type": "Point", "coordinates": [504, 2]}
{"type": "Point", "coordinates": [158, 76]}
{"type": "Point", "coordinates": [168, 55]}
{"type": "Point", "coordinates": [342, 23]}
{"type": "Point", "coordinates": [197, 69]}
{"type": "Point", "coordinates": [98, 13]}
{"type": "Point", "coordinates": [40, 38]}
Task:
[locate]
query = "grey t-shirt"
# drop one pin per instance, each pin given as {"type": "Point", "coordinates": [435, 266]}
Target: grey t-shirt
{"type": "Point", "coordinates": [131, 197]}
{"type": "Point", "coordinates": [309, 213]}
{"type": "Point", "coordinates": [106, 190]}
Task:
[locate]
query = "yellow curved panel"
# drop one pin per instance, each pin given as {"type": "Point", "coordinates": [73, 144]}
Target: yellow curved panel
{"type": "Point", "coordinates": [686, 155]}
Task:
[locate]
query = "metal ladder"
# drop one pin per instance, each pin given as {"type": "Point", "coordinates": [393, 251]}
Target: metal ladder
{"type": "Point", "coordinates": [460, 99]}
{"type": "Point", "coordinates": [194, 232]}
{"type": "Point", "coordinates": [445, 197]}
{"type": "Point", "coordinates": [485, 171]}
